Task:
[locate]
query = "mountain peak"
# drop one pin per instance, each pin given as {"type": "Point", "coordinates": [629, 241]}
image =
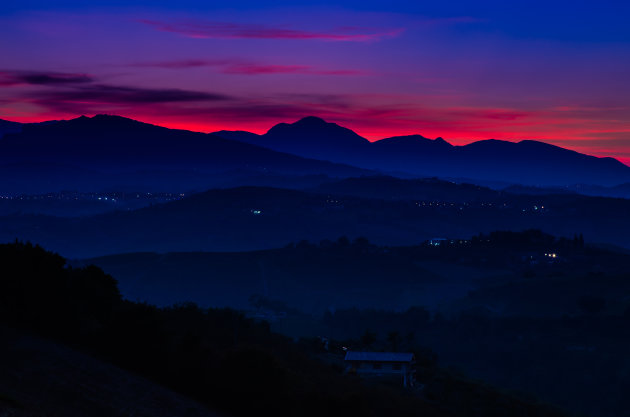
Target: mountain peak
{"type": "Point", "coordinates": [313, 127]}
{"type": "Point", "coordinates": [99, 118]}
{"type": "Point", "coordinates": [106, 121]}
{"type": "Point", "coordinates": [311, 121]}
{"type": "Point", "coordinates": [413, 143]}
{"type": "Point", "coordinates": [315, 137]}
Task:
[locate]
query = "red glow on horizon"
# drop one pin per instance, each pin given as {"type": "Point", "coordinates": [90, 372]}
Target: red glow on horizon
{"type": "Point", "coordinates": [371, 131]}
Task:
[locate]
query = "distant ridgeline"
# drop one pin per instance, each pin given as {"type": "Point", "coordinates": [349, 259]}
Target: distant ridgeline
{"type": "Point", "coordinates": [111, 152]}
{"type": "Point", "coordinates": [388, 211]}
{"type": "Point", "coordinates": [215, 356]}
{"type": "Point", "coordinates": [526, 162]}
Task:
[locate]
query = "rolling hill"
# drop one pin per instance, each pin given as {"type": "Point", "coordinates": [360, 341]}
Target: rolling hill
{"type": "Point", "coordinates": [252, 218]}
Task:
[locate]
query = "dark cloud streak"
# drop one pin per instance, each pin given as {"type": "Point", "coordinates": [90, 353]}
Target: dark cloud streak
{"type": "Point", "coordinates": [103, 98]}
{"type": "Point", "coordinates": [12, 78]}
{"type": "Point", "coordinates": [100, 93]}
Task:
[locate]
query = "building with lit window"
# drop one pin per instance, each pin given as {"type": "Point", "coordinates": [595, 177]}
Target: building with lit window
{"type": "Point", "coordinates": [382, 365]}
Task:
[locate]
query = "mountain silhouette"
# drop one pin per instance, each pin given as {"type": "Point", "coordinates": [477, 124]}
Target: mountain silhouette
{"type": "Point", "coordinates": [526, 162]}
{"type": "Point", "coordinates": [536, 163]}
{"type": "Point", "coordinates": [412, 143]}
{"type": "Point", "coordinates": [118, 148]}
{"type": "Point", "coordinates": [308, 136]}
{"type": "Point", "coordinates": [9, 127]}
{"type": "Point", "coordinates": [113, 146]}
{"type": "Point", "coordinates": [112, 142]}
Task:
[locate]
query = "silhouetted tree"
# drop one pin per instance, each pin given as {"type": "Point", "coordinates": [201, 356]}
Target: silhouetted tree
{"type": "Point", "coordinates": [326, 243]}
{"type": "Point", "coordinates": [591, 304]}
{"type": "Point", "coordinates": [394, 340]}
{"type": "Point", "coordinates": [411, 337]}
{"type": "Point", "coordinates": [368, 339]}
{"type": "Point", "coordinates": [304, 244]}
{"type": "Point", "coordinates": [343, 241]}
{"type": "Point", "coordinates": [361, 242]}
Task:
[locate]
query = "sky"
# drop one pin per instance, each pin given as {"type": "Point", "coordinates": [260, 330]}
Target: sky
{"type": "Point", "coordinates": [556, 71]}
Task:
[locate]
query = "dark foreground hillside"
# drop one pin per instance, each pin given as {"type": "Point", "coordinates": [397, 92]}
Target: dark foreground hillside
{"type": "Point", "coordinates": [46, 379]}
{"type": "Point", "coordinates": [216, 357]}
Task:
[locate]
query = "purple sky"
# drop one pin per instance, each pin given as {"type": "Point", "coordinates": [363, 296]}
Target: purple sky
{"type": "Point", "coordinates": [462, 74]}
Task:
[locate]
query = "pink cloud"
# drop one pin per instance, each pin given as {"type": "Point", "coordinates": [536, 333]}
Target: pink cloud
{"type": "Point", "coordinates": [254, 69]}
{"type": "Point", "coordinates": [223, 30]}
{"type": "Point", "coordinates": [235, 66]}
{"type": "Point", "coordinates": [493, 114]}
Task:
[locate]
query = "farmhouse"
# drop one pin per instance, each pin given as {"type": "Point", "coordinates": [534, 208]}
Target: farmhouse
{"type": "Point", "coordinates": [382, 364]}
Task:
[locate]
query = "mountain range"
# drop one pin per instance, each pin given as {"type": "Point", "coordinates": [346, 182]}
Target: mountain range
{"type": "Point", "coordinates": [526, 162]}
{"type": "Point", "coordinates": [109, 152]}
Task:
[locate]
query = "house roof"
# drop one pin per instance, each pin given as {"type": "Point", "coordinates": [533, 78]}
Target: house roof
{"type": "Point", "coordinates": [379, 356]}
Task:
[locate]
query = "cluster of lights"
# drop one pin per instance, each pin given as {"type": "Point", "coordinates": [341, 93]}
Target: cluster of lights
{"type": "Point", "coordinates": [113, 196]}
{"type": "Point", "coordinates": [436, 203]}
{"type": "Point", "coordinates": [551, 255]}
{"type": "Point", "coordinates": [439, 241]}
{"type": "Point", "coordinates": [334, 202]}
{"type": "Point", "coordinates": [463, 205]}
